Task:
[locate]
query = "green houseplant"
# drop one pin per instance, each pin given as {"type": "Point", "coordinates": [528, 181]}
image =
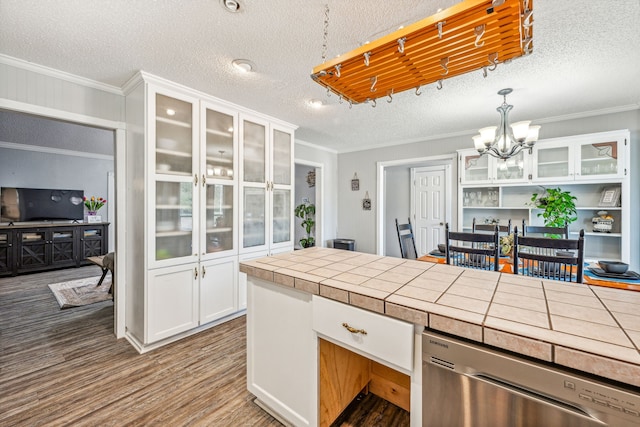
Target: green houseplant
{"type": "Point", "coordinates": [558, 207]}
{"type": "Point", "coordinates": [307, 212]}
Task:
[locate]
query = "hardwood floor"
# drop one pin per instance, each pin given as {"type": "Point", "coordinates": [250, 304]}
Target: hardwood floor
{"type": "Point", "coordinates": [65, 367]}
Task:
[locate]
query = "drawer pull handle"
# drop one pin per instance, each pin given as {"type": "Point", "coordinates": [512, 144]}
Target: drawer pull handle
{"type": "Point", "coordinates": [354, 330]}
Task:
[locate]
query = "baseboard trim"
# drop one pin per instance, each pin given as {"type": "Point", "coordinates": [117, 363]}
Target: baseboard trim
{"type": "Point", "coordinates": [144, 348]}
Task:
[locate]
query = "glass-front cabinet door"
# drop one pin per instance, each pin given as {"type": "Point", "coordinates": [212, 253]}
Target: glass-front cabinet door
{"type": "Point", "coordinates": [255, 185]}
{"type": "Point", "coordinates": [254, 212]}
{"type": "Point", "coordinates": [513, 169]}
{"type": "Point", "coordinates": [601, 158]}
{"type": "Point", "coordinates": [552, 161]}
{"type": "Point", "coordinates": [474, 168]}
{"type": "Point", "coordinates": [174, 178]}
{"type": "Point", "coordinates": [219, 178]}
{"type": "Point", "coordinates": [281, 187]}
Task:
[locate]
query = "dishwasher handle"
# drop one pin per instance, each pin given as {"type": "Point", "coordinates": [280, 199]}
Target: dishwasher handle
{"type": "Point", "coordinates": [543, 399]}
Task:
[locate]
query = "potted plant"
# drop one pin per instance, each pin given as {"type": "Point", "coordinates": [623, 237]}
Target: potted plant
{"type": "Point", "coordinates": [307, 212]}
{"type": "Point", "coordinates": [558, 207]}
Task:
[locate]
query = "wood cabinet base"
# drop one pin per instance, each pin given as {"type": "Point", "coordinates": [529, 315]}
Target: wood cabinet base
{"type": "Point", "coordinates": [344, 374]}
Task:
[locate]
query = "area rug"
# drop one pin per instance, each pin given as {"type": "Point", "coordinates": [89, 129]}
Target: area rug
{"type": "Point", "coordinates": [80, 292]}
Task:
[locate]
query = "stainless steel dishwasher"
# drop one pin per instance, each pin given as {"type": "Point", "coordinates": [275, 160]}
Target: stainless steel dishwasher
{"type": "Point", "coordinates": [469, 385]}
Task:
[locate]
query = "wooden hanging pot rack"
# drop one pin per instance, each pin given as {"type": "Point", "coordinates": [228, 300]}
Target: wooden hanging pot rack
{"type": "Point", "coordinates": [469, 36]}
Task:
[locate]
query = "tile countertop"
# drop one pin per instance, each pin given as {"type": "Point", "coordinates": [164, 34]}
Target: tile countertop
{"type": "Point", "coordinates": [589, 328]}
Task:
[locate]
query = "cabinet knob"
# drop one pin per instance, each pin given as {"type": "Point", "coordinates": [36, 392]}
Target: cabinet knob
{"type": "Point", "coordinates": [203, 271]}
{"type": "Point", "coordinates": [195, 179]}
{"type": "Point", "coordinates": [195, 271]}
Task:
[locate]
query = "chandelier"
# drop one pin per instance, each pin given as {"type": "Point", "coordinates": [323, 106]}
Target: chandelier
{"type": "Point", "coordinates": [506, 140]}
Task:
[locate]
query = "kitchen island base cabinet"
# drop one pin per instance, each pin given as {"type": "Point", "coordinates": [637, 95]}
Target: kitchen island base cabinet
{"type": "Point", "coordinates": [282, 351]}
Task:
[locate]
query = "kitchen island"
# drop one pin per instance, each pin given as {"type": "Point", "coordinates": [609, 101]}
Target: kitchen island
{"type": "Point", "coordinates": [587, 328]}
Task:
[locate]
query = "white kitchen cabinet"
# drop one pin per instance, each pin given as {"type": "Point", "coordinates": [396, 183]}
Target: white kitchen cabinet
{"type": "Point", "coordinates": [266, 186]}
{"type": "Point", "coordinates": [182, 210]}
{"type": "Point", "coordinates": [585, 165]}
{"type": "Point", "coordinates": [172, 301]}
{"type": "Point", "coordinates": [476, 169]}
{"type": "Point", "coordinates": [218, 289]}
{"type": "Point", "coordinates": [282, 352]}
{"type": "Point", "coordinates": [581, 157]}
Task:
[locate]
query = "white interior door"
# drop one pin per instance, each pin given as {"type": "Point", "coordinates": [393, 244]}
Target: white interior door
{"type": "Point", "coordinates": [429, 197]}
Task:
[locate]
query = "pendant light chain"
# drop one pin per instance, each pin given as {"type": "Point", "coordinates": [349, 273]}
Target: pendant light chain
{"type": "Point", "coordinates": [326, 32]}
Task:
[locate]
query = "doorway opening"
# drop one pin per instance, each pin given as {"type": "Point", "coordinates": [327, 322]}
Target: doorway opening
{"type": "Point", "coordinates": [308, 189]}
{"type": "Point", "coordinates": [401, 198]}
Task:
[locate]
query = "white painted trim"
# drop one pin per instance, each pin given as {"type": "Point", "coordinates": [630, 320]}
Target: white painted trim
{"type": "Point", "coordinates": [62, 75]}
{"type": "Point", "coordinates": [380, 181]}
{"type": "Point", "coordinates": [320, 237]}
{"type": "Point", "coordinates": [120, 234]}
{"type": "Point", "coordinates": [48, 150]}
{"type": "Point", "coordinates": [317, 147]}
{"type": "Point", "coordinates": [53, 113]}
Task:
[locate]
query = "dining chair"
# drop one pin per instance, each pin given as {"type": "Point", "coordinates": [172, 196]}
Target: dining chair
{"type": "Point", "coordinates": [406, 239]}
{"type": "Point", "coordinates": [472, 250]}
{"type": "Point", "coordinates": [548, 258]}
{"type": "Point", "coordinates": [543, 231]}
{"type": "Point", "coordinates": [502, 229]}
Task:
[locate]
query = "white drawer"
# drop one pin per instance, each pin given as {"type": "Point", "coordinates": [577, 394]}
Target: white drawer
{"type": "Point", "coordinates": [386, 339]}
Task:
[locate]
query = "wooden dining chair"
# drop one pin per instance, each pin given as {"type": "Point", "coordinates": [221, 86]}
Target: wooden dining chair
{"type": "Point", "coordinates": [548, 258]}
{"type": "Point", "coordinates": [481, 227]}
{"type": "Point", "coordinates": [543, 231]}
{"type": "Point", "coordinates": [472, 250]}
{"type": "Point", "coordinates": [406, 239]}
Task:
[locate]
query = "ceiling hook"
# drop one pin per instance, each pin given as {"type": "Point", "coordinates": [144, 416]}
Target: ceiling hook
{"type": "Point", "coordinates": [479, 32]}
{"type": "Point", "coordinates": [418, 91]}
{"type": "Point", "coordinates": [484, 71]}
{"type": "Point", "coordinates": [493, 60]}
{"type": "Point", "coordinates": [443, 63]}
{"type": "Point", "coordinates": [374, 80]}
{"type": "Point", "coordinates": [350, 104]}
{"type": "Point", "coordinates": [439, 86]}
{"type": "Point", "coordinates": [439, 26]}
{"type": "Point", "coordinates": [373, 103]}
{"type": "Point", "coordinates": [401, 44]}
{"type": "Point", "coordinates": [338, 70]}
{"type": "Point", "coordinates": [328, 93]}
{"type": "Point", "coordinates": [340, 99]}
{"type": "Point", "coordinates": [390, 95]}
{"type": "Point", "coordinates": [367, 55]}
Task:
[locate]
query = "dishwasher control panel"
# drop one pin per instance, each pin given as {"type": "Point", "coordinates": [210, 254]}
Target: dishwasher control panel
{"type": "Point", "coordinates": [605, 397]}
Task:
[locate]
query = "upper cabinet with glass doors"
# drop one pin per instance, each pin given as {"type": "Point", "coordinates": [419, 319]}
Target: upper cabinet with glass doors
{"type": "Point", "coordinates": [477, 169]}
{"type": "Point", "coordinates": [174, 175]}
{"type": "Point", "coordinates": [266, 186]}
{"type": "Point", "coordinates": [218, 166]}
{"type": "Point", "coordinates": [582, 157]}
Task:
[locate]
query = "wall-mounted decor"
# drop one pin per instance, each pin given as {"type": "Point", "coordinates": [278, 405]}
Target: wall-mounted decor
{"type": "Point", "coordinates": [366, 202]}
{"type": "Point", "coordinates": [355, 183]}
{"type": "Point", "coordinates": [311, 178]}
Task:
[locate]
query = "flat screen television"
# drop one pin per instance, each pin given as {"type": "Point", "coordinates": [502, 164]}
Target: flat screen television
{"type": "Point", "coordinates": [39, 204]}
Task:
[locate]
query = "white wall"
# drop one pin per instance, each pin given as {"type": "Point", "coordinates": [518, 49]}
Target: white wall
{"type": "Point", "coordinates": [398, 205]}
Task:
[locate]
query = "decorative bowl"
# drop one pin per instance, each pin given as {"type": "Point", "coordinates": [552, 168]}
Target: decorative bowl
{"type": "Point", "coordinates": [615, 267]}
{"type": "Point", "coordinates": [442, 248]}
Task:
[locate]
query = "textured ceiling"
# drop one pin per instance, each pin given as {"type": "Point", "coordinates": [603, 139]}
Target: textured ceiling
{"type": "Point", "coordinates": [586, 58]}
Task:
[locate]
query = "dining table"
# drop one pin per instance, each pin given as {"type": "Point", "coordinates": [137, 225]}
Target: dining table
{"type": "Point", "coordinates": [588, 278]}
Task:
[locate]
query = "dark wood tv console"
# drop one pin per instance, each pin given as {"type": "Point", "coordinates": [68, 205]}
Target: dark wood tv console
{"type": "Point", "coordinates": [27, 248]}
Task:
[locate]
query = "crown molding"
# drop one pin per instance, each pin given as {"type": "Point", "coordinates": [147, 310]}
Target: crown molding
{"type": "Point", "coordinates": [62, 75]}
